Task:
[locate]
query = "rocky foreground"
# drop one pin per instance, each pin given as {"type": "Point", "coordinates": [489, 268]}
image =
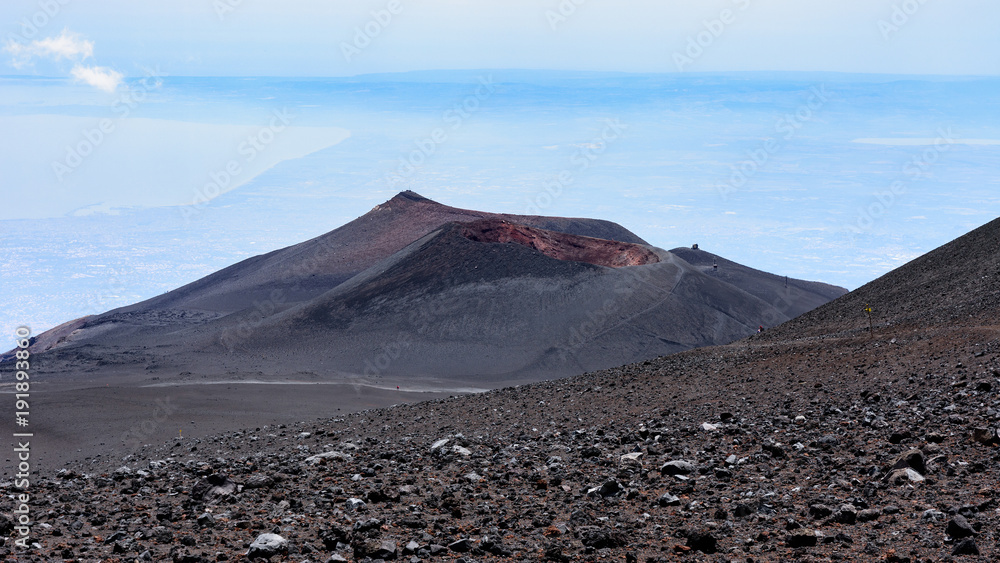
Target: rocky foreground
{"type": "Point", "coordinates": [846, 448]}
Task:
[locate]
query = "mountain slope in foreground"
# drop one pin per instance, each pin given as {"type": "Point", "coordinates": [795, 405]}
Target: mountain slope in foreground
{"type": "Point", "coordinates": [809, 443]}
{"type": "Point", "coordinates": [415, 291]}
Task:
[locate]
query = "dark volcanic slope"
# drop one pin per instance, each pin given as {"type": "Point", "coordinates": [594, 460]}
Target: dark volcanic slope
{"type": "Point", "coordinates": [843, 447]}
{"type": "Point", "coordinates": [449, 307]}
{"type": "Point", "coordinates": [949, 284]}
{"type": "Point", "coordinates": [792, 296]}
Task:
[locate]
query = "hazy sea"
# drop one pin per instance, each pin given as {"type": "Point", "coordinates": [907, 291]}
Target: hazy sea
{"type": "Point", "coordinates": [113, 198]}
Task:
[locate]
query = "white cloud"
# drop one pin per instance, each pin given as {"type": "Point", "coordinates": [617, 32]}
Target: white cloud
{"type": "Point", "coordinates": [67, 45]}
{"type": "Point", "coordinates": [100, 77]}
{"type": "Point", "coordinates": [70, 46]}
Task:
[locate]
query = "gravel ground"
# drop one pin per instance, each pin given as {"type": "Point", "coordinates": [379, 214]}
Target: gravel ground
{"type": "Point", "coordinates": [858, 448]}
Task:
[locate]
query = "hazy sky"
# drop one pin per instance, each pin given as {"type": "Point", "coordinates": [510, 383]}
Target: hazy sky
{"type": "Point", "coordinates": [342, 38]}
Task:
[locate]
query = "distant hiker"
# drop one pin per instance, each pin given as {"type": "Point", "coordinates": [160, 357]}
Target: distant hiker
{"type": "Point", "coordinates": [760, 329]}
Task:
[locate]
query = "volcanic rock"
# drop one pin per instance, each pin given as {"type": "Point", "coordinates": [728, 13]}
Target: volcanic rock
{"type": "Point", "coordinates": [213, 488]}
{"type": "Point", "coordinates": [267, 546]}
{"type": "Point", "coordinates": [966, 547]}
{"type": "Point", "coordinates": [802, 538]}
{"type": "Point", "coordinates": [959, 527]}
{"type": "Point", "coordinates": [678, 467]}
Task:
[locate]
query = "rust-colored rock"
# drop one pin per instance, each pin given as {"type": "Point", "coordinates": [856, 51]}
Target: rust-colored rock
{"type": "Point", "coordinates": [561, 246]}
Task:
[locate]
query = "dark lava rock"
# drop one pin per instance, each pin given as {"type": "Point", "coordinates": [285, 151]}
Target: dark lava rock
{"type": "Point", "coordinates": [914, 459]}
{"type": "Point", "coordinates": [959, 527]}
{"type": "Point", "coordinates": [802, 538]}
{"type": "Point", "coordinates": [699, 539]}
{"type": "Point", "coordinates": [846, 514]}
{"type": "Point", "coordinates": [828, 442]}
{"type": "Point", "coordinates": [869, 514]}
{"type": "Point", "coordinates": [206, 520]}
{"type": "Point", "coordinates": [386, 550]}
{"type": "Point", "coordinates": [600, 538]}
{"type": "Point", "coordinates": [668, 499]}
{"type": "Point", "coordinates": [180, 555]}
{"type": "Point", "coordinates": [554, 552]}
{"type": "Point", "coordinates": [966, 547]}
{"type": "Point", "coordinates": [678, 467]}
{"type": "Point", "coordinates": [332, 536]}
{"type": "Point", "coordinates": [898, 437]}
{"type": "Point", "coordinates": [776, 450]}
{"type": "Point", "coordinates": [934, 438]}
{"type": "Point", "coordinates": [213, 488]}
{"type": "Point", "coordinates": [461, 546]}
{"type": "Point", "coordinates": [161, 534]}
{"type": "Point", "coordinates": [818, 511]}
{"type": "Point", "coordinates": [903, 476]}
{"type": "Point", "coordinates": [610, 488]}
{"type": "Point", "coordinates": [986, 436]}
{"type": "Point", "coordinates": [259, 481]}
